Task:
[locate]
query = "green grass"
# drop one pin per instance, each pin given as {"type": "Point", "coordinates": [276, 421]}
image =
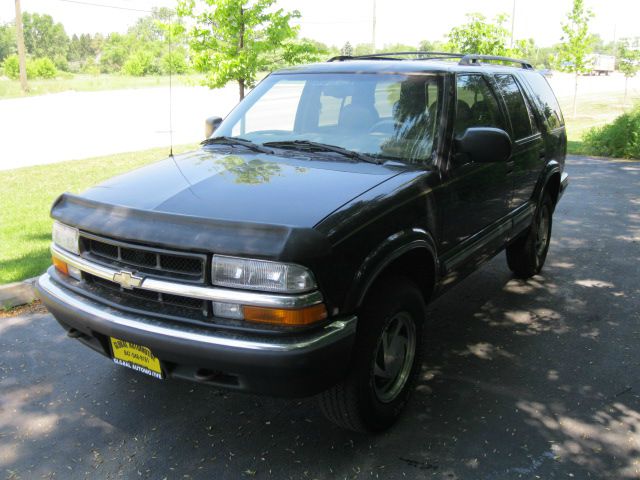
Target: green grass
{"type": "Point", "coordinates": [27, 195]}
{"type": "Point", "coordinates": [88, 83]}
{"type": "Point", "coordinates": [592, 110]}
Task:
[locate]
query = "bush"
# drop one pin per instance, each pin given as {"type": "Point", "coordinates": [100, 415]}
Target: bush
{"type": "Point", "coordinates": [41, 68]}
{"type": "Point", "coordinates": [36, 68]}
{"type": "Point", "coordinates": [91, 67]}
{"type": "Point", "coordinates": [620, 139]}
{"type": "Point", "coordinates": [140, 63]}
{"type": "Point", "coordinates": [174, 62]}
{"type": "Point", "coordinates": [61, 63]}
{"type": "Point", "coordinates": [11, 67]}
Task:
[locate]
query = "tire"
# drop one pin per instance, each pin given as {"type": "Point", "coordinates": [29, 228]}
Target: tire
{"type": "Point", "coordinates": [378, 386]}
{"type": "Point", "coordinates": [527, 254]}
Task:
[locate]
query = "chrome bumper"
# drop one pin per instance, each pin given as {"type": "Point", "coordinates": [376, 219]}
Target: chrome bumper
{"type": "Point", "coordinates": [103, 318]}
{"type": "Point", "coordinates": [564, 183]}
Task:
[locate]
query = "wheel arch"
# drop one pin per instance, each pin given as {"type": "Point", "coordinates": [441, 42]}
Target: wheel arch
{"type": "Point", "coordinates": [550, 182]}
{"type": "Point", "coordinates": [409, 253]}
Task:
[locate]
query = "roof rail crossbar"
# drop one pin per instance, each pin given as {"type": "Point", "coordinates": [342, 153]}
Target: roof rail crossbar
{"type": "Point", "coordinates": [474, 59]}
{"type": "Point", "coordinates": [422, 55]}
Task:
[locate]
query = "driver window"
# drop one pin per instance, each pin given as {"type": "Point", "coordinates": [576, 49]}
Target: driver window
{"type": "Point", "coordinates": [476, 105]}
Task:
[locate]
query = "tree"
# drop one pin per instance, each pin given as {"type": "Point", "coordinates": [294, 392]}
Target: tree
{"type": "Point", "coordinates": [44, 38]}
{"type": "Point", "coordinates": [347, 50]}
{"type": "Point", "coordinates": [480, 36]}
{"type": "Point", "coordinates": [363, 49]}
{"type": "Point", "coordinates": [576, 43]}
{"type": "Point", "coordinates": [233, 40]}
{"type": "Point", "coordinates": [435, 46]}
{"type": "Point", "coordinates": [398, 47]}
{"type": "Point", "coordinates": [7, 41]}
{"type": "Point", "coordinates": [81, 49]}
{"type": "Point", "coordinates": [115, 50]}
{"type": "Point", "coordinates": [628, 61]}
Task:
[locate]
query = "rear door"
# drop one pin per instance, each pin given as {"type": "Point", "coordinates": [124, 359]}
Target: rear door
{"type": "Point", "coordinates": [528, 155]}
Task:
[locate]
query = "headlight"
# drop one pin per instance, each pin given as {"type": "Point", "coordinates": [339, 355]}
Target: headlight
{"type": "Point", "coordinates": [66, 237]}
{"type": "Point", "coordinates": [264, 275]}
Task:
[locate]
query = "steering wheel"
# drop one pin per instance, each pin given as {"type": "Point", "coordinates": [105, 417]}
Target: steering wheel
{"type": "Point", "coordinates": [383, 126]}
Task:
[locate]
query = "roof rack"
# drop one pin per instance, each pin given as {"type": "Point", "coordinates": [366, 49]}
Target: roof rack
{"type": "Point", "coordinates": [465, 59]}
{"type": "Point", "coordinates": [390, 56]}
{"type": "Point", "coordinates": [474, 59]}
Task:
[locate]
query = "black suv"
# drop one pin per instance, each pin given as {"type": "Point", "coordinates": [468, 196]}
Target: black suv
{"type": "Point", "coordinates": [294, 253]}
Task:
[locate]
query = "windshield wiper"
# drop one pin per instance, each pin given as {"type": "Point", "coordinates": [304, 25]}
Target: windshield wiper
{"type": "Point", "coordinates": [236, 141]}
{"type": "Point", "coordinates": [308, 145]}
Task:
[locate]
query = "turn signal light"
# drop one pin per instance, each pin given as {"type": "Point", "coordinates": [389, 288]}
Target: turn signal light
{"type": "Point", "coordinates": [62, 267]}
{"type": "Point", "coordinates": [278, 316]}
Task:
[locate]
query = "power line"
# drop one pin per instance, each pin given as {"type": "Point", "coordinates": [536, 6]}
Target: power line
{"type": "Point", "coordinates": [90, 4]}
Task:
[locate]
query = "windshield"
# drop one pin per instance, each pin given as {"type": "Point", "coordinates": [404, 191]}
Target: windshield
{"type": "Point", "coordinates": [386, 116]}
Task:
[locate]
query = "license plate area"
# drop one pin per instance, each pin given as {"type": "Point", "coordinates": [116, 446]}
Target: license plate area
{"type": "Point", "coordinates": [136, 357]}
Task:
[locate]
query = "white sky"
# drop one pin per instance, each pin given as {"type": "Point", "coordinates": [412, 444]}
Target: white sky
{"type": "Point", "coordinates": [336, 21]}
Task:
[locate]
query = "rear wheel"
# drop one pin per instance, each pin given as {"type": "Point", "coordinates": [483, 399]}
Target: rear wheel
{"type": "Point", "coordinates": [387, 356]}
{"type": "Point", "coordinates": [527, 254]}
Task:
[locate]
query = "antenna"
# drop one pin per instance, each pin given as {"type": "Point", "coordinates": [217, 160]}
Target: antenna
{"type": "Point", "coordinates": [175, 162]}
{"type": "Point", "coordinates": [171, 85]}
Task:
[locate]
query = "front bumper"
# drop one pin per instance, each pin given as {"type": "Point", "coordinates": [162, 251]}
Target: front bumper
{"type": "Point", "coordinates": [564, 183]}
{"type": "Point", "coordinates": [281, 365]}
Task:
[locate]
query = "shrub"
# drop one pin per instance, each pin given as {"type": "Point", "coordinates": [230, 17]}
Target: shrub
{"type": "Point", "coordinates": [91, 67]}
{"type": "Point", "coordinates": [174, 62]}
{"type": "Point", "coordinates": [140, 63]}
{"type": "Point", "coordinates": [11, 67]}
{"type": "Point", "coordinates": [41, 68]}
{"type": "Point", "coordinates": [620, 139]}
{"type": "Point", "coordinates": [36, 68]}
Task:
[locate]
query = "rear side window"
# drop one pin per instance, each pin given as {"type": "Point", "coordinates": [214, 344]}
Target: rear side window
{"type": "Point", "coordinates": [546, 100]}
{"type": "Point", "coordinates": [476, 104]}
{"type": "Point", "coordinates": [522, 122]}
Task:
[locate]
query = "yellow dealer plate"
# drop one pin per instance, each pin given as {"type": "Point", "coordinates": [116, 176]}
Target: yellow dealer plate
{"type": "Point", "coordinates": [136, 357]}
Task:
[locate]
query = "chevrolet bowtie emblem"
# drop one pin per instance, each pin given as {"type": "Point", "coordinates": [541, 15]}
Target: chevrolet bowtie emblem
{"type": "Point", "coordinates": [127, 279]}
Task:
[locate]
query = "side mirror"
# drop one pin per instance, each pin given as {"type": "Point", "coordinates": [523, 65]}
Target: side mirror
{"type": "Point", "coordinates": [484, 144]}
{"type": "Point", "coordinates": [210, 125]}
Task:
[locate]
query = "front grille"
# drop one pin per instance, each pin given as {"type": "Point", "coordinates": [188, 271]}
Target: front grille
{"type": "Point", "coordinates": [147, 301]}
{"type": "Point", "coordinates": [155, 262]}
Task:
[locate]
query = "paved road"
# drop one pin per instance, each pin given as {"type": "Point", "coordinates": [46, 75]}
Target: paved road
{"type": "Point", "coordinates": [74, 125]}
{"type": "Point", "coordinates": [529, 380]}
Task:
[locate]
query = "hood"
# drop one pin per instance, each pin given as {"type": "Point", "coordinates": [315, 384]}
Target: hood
{"type": "Point", "coordinates": [246, 187]}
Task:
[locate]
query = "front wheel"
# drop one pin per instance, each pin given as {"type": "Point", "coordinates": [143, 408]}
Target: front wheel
{"type": "Point", "coordinates": [527, 254]}
{"type": "Point", "coordinates": [387, 357]}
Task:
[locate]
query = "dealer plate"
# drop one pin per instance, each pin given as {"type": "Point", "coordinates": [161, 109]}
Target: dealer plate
{"type": "Point", "coordinates": [135, 357]}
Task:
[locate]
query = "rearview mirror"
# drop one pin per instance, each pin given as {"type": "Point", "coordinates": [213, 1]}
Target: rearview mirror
{"type": "Point", "coordinates": [210, 125]}
{"type": "Point", "coordinates": [484, 144]}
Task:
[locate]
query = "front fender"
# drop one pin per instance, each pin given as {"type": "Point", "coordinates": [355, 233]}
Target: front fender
{"type": "Point", "coordinates": [381, 257]}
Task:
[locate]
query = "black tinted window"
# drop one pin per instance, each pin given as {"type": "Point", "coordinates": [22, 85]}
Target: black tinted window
{"type": "Point", "coordinates": [546, 100]}
{"type": "Point", "coordinates": [476, 104]}
{"type": "Point", "coordinates": [521, 120]}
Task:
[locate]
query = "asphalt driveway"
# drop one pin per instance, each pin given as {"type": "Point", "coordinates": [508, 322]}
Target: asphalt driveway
{"type": "Point", "coordinates": [536, 379]}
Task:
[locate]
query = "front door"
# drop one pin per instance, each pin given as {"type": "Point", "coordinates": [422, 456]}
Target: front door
{"type": "Point", "coordinates": [477, 194]}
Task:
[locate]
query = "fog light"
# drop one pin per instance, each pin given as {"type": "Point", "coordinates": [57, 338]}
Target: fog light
{"type": "Point", "coordinates": [278, 316]}
{"type": "Point", "coordinates": [74, 272]}
{"type": "Point", "coordinates": [227, 310]}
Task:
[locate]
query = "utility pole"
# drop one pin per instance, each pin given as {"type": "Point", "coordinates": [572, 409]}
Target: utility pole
{"type": "Point", "coordinates": [21, 51]}
{"type": "Point", "coordinates": [373, 29]}
{"type": "Point", "coordinates": [513, 21]}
